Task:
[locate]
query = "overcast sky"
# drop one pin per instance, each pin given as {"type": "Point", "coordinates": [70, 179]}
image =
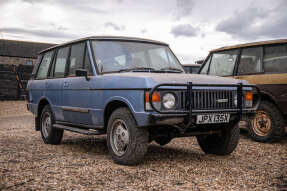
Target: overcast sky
{"type": "Point", "coordinates": [191, 27]}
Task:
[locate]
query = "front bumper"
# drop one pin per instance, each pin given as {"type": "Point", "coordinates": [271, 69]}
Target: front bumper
{"type": "Point", "coordinates": [189, 112]}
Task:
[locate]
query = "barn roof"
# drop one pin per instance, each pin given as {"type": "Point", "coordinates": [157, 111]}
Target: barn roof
{"type": "Point", "coordinates": [23, 49]}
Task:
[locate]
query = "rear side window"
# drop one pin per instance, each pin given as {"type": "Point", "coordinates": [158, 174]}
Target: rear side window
{"type": "Point", "coordinates": [76, 58]}
{"type": "Point", "coordinates": [61, 61]}
{"type": "Point", "coordinates": [275, 59]}
{"type": "Point", "coordinates": [44, 65]}
{"type": "Point", "coordinates": [250, 61]}
{"type": "Point", "coordinates": [222, 63]}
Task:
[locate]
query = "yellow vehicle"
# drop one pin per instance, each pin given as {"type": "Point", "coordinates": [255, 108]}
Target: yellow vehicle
{"type": "Point", "coordinates": [264, 64]}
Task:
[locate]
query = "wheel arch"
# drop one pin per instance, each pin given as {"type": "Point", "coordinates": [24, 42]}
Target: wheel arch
{"type": "Point", "coordinates": [268, 97]}
{"type": "Point", "coordinates": [114, 104]}
{"type": "Point", "coordinates": [42, 103]}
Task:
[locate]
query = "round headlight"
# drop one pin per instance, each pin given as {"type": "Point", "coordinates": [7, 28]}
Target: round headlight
{"type": "Point", "coordinates": [168, 101]}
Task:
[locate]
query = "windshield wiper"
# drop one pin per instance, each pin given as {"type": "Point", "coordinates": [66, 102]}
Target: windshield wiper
{"type": "Point", "coordinates": [171, 69]}
{"type": "Point", "coordinates": [137, 69]}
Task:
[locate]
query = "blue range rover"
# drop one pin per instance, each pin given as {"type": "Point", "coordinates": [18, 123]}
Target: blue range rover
{"type": "Point", "coordinates": [135, 91]}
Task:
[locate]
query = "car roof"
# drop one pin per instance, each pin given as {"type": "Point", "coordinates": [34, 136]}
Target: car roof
{"type": "Point", "coordinates": [191, 65]}
{"type": "Point", "coordinates": [279, 41]}
{"type": "Point", "coordinates": [134, 39]}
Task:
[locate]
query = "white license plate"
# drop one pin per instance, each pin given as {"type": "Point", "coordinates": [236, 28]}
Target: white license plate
{"type": "Point", "coordinates": [213, 118]}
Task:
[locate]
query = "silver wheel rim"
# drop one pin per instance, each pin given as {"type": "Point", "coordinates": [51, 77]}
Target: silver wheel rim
{"type": "Point", "coordinates": [46, 125]}
{"type": "Point", "coordinates": [119, 137]}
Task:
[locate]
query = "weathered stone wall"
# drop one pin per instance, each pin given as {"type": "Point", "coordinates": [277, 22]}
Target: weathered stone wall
{"type": "Point", "coordinates": [16, 60]}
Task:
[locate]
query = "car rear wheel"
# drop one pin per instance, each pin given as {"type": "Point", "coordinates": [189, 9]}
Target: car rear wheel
{"type": "Point", "coordinates": [268, 124]}
{"type": "Point", "coordinates": [220, 144]}
{"type": "Point", "coordinates": [49, 134]}
{"type": "Point", "coordinates": [126, 142]}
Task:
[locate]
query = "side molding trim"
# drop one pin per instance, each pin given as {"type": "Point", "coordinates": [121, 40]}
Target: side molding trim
{"type": "Point", "coordinates": [76, 109]}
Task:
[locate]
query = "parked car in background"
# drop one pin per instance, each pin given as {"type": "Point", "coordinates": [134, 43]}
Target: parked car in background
{"type": "Point", "coordinates": [191, 68]}
{"type": "Point", "coordinates": [264, 64]}
{"type": "Point", "coordinates": [200, 62]}
{"type": "Point", "coordinates": [135, 91]}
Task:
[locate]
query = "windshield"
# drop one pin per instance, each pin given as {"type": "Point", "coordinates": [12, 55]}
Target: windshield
{"type": "Point", "coordinates": [118, 56]}
{"type": "Point", "coordinates": [220, 63]}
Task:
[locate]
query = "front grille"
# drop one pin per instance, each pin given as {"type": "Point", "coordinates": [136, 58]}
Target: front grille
{"type": "Point", "coordinates": [213, 99]}
{"type": "Point", "coordinates": [204, 98]}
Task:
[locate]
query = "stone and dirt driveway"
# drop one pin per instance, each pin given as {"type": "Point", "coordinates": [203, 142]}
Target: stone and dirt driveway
{"type": "Point", "coordinates": [83, 163]}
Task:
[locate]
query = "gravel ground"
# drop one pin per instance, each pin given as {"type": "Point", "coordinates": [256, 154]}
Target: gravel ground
{"type": "Point", "coordinates": [83, 163]}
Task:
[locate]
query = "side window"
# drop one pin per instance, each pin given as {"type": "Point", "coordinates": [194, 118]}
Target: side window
{"type": "Point", "coordinates": [275, 59]}
{"type": "Point", "coordinates": [250, 61]}
{"type": "Point", "coordinates": [44, 65]}
{"type": "Point", "coordinates": [87, 64]}
{"type": "Point", "coordinates": [76, 58]}
{"type": "Point", "coordinates": [222, 63]}
{"type": "Point", "coordinates": [61, 61]}
{"type": "Point", "coordinates": [206, 65]}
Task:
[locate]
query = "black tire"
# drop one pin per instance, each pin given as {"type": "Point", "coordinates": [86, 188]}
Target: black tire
{"type": "Point", "coordinates": [272, 125]}
{"type": "Point", "coordinates": [52, 136]}
{"type": "Point", "coordinates": [162, 140]}
{"type": "Point", "coordinates": [220, 144]}
{"type": "Point", "coordinates": [138, 138]}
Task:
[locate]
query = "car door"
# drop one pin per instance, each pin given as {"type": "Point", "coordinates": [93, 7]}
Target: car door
{"type": "Point", "coordinates": [271, 77]}
{"type": "Point", "coordinates": [76, 90]}
{"type": "Point", "coordinates": [275, 69]}
{"type": "Point", "coordinates": [55, 81]}
{"type": "Point", "coordinates": [250, 65]}
{"type": "Point", "coordinates": [39, 86]}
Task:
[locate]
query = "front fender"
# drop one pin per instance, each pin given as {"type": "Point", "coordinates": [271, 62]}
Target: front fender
{"type": "Point", "coordinates": [137, 109]}
{"type": "Point", "coordinates": [41, 99]}
{"type": "Point", "coordinates": [122, 99]}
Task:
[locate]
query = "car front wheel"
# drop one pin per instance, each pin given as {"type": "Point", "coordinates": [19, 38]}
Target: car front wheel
{"type": "Point", "coordinates": [220, 144]}
{"type": "Point", "coordinates": [126, 142]}
{"type": "Point", "coordinates": [268, 124]}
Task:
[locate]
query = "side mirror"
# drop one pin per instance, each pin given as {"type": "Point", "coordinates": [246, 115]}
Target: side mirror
{"type": "Point", "coordinates": [82, 73]}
